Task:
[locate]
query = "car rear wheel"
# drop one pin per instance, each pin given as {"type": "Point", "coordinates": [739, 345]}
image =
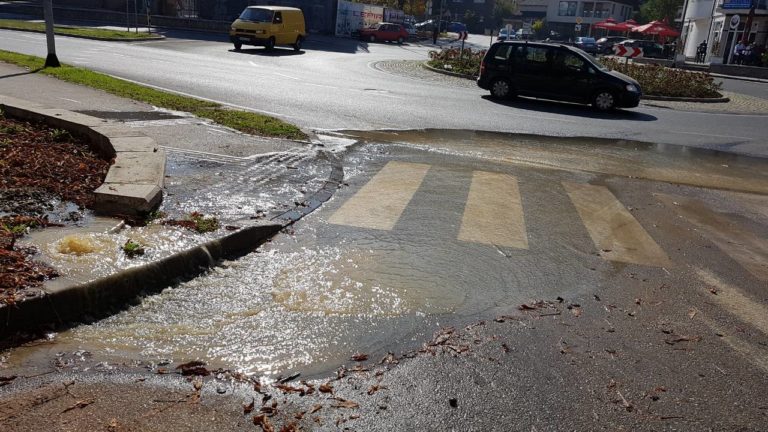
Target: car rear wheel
{"type": "Point", "coordinates": [238, 46]}
{"type": "Point", "coordinates": [297, 45]}
{"type": "Point", "coordinates": [372, 38]}
{"type": "Point", "coordinates": [501, 89]}
{"type": "Point", "coordinates": [604, 100]}
{"type": "Point", "coordinates": [270, 44]}
{"type": "Point", "coordinates": [400, 40]}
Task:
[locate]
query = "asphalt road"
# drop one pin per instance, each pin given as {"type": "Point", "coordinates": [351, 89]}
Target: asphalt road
{"type": "Point", "coordinates": [334, 84]}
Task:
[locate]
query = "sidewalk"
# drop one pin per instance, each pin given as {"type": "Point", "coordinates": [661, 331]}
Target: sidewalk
{"type": "Point", "coordinates": [243, 180]}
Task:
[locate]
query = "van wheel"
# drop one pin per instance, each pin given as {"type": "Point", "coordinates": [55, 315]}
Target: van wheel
{"type": "Point", "coordinates": [501, 89]}
{"type": "Point", "coordinates": [400, 40]}
{"type": "Point", "coordinates": [297, 45]}
{"type": "Point", "coordinates": [238, 46]}
{"type": "Point", "coordinates": [270, 44]}
{"type": "Point", "coordinates": [372, 38]}
{"type": "Point", "coordinates": [604, 100]}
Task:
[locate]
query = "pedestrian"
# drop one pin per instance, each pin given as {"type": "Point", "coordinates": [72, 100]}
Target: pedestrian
{"type": "Point", "coordinates": [701, 52]}
{"type": "Point", "coordinates": [434, 34]}
{"type": "Point", "coordinates": [738, 52]}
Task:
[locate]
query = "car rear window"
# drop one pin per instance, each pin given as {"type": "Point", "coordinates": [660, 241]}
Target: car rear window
{"type": "Point", "coordinates": [588, 40]}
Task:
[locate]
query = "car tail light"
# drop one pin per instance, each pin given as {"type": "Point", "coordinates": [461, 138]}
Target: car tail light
{"type": "Point", "coordinates": [482, 67]}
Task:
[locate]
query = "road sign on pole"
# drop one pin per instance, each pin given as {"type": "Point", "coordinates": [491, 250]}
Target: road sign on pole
{"type": "Point", "coordinates": [577, 27]}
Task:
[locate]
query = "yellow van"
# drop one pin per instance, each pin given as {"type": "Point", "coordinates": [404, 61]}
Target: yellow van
{"type": "Point", "coordinates": [268, 26]}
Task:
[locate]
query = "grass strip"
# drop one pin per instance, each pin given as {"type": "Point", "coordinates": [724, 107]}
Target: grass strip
{"type": "Point", "coordinates": [244, 121]}
{"type": "Point", "coordinates": [11, 24]}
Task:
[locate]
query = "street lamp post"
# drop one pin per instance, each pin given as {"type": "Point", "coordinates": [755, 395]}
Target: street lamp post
{"type": "Point", "coordinates": [51, 60]}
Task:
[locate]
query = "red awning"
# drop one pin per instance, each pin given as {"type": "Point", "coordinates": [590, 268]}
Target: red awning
{"type": "Point", "coordinates": [656, 28]}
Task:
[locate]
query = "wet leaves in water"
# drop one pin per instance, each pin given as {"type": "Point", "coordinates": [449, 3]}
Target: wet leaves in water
{"type": "Point", "coordinates": [359, 357]}
{"type": "Point", "coordinates": [289, 389]}
{"type": "Point", "coordinates": [194, 367]}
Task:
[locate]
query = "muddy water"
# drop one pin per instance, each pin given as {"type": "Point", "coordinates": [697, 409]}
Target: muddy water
{"type": "Point", "coordinates": [309, 300]}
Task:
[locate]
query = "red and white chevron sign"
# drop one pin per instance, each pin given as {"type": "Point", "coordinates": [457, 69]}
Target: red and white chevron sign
{"type": "Point", "coordinates": [625, 51]}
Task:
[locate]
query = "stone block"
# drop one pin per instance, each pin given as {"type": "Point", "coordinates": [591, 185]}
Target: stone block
{"type": "Point", "coordinates": [127, 198]}
{"type": "Point", "coordinates": [134, 144]}
{"type": "Point", "coordinates": [138, 168]}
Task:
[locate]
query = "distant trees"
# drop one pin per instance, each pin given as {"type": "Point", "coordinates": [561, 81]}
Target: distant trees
{"type": "Point", "coordinates": [660, 10]}
{"type": "Point", "coordinates": [504, 9]}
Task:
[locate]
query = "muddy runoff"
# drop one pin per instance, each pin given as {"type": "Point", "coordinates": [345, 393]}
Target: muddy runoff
{"type": "Point", "coordinates": [318, 293]}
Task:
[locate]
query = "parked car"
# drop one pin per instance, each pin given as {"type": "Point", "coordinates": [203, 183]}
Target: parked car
{"type": "Point", "coordinates": [587, 44]}
{"type": "Point", "coordinates": [384, 32]}
{"type": "Point", "coordinates": [268, 26]}
{"type": "Point", "coordinates": [503, 35]}
{"type": "Point", "coordinates": [605, 44]}
{"type": "Point", "coordinates": [410, 29]}
{"type": "Point", "coordinates": [650, 48]}
{"type": "Point", "coordinates": [554, 71]}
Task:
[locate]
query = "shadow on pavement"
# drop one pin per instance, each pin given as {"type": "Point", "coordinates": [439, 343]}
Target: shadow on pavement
{"type": "Point", "coordinates": [570, 109]}
{"type": "Point", "coordinates": [20, 74]}
{"type": "Point", "coordinates": [277, 52]}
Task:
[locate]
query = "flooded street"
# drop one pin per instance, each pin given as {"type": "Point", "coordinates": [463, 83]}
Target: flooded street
{"type": "Point", "coordinates": [429, 230]}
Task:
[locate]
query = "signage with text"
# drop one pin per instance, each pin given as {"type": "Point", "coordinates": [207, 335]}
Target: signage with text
{"type": "Point", "coordinates": [737, 4]}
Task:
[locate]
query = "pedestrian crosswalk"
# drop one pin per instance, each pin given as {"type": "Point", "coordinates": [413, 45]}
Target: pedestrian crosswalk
{"type": "Point", "coordinates": [494, 214]}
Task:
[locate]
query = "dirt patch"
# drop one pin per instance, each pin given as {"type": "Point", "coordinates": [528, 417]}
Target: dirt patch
{"type": "Point", "coordinates": [47, 177]}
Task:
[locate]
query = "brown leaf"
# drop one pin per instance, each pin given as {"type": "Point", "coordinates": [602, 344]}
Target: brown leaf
{"type": "Point", "coordinates": [359, 357]}
{"type": "Point", "coordinates": [576, 311]}
{"type": "Point", "coordinates": [374, 388]}
{"type": "Point", "coordinates": [268, 410]}
{"type": "Point", "coordinates": [247, 409]}
{"type": "Point", "coordinates": [290, 427]}
{"type": "Point", "coordinates": [263, 421]}
{"type": "Point", "coordinates": [673, 341]}
{"type": "Point", "coordinates": [692, 313]}
{"type": "Point", "coordinates": [194, 367]}
{"type": "Point", "coordinates": [289, 389]}
{"type": "Point", "coordinates": [345, 403]}
{"type": "Point", "coordinates": [316, 408]}
{"type": "Point", "coordinates": [79, 405]}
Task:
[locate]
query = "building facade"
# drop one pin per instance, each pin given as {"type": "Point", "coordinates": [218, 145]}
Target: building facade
{"type": "Point", "coordinates": [721, 24]}
{"type": "Point", "coordinates": [573, 18]}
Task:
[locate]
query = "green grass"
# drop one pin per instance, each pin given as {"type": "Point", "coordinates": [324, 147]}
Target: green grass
{"type": "Point", "coordinates": [73, 31]}
{"type": "Point", "coordinates": [244, 121]}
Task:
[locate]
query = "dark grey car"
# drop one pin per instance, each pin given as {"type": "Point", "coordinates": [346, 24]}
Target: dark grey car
{"type": "Point", "coordinates": [557, 72]}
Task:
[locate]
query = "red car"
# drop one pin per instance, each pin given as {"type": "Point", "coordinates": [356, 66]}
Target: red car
{"type": "Point", "coordinates": [384, 32]}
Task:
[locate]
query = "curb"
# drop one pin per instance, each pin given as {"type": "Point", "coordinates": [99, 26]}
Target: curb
{"type": "Point", "coordinates": [686, 99]}
{"type": "Point", "coordinates": [99, 297]}
{"type": "Point", "coordinates": [134, 182]}
{"type": "Point", "coordinates": [445, 72]}
{"type": "Point", "coordinates": [153, 38]}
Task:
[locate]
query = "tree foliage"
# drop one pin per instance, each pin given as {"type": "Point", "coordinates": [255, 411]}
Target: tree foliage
{"type": "Point", "coordinates": [660, 10]}
{"type": "Point", "coordinates": [504, 9]}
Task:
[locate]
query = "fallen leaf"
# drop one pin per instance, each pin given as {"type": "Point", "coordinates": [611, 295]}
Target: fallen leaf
{"type": "Point", "coordinates": [247, 409]}
{"type": "Point", "coordinates": [374, 388]}
{"type": "Point", "coordinates": [197, 384]}
{"type": "Point", "coordinates": [326, 388]}
{"type": "Point", "coordinates": [193, 368]}
{"type": "Point", "coordinates": [263, 421]}
{"type": "Point", "coordinates": [316, 408]}
{"type": "Point", "coordinates": [359, 357]}
{"type": "Point", "coordinates": [673, 341]}
{"type": "Point", "coordinates": [79, 405]}
{"type": "Point", "coordinates": [576, 311]}
{"type": "Point", "coordinates": [345, 403]}
{"type": "Point", "coordinates": [713, 290]}
{"type": "Point", "coordinates": [692, 313]}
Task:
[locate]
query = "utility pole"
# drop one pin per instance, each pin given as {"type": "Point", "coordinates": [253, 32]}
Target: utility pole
{"type": "Point", "coordinates": [51, 60]}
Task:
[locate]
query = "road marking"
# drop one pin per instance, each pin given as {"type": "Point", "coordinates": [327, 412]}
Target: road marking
{"type": "Point", "coordinates": [748, 248]}
{"type": "Point", "coordinates": [71, 100]}
{"type": "Point", "coordinates": [734, 300]}
{"type": "Point", "coordinates": [754, 354]}
{"type": "Point", "coordinates": [379, 204]}
{"type": "Point", "coordinates": [286, 76]}
{"type": "Point", "coordinates": [494, 212]}
{"type": "Point", "coordinates": [712, 135]}
{"type": "Point", "coordinates": [613, 229]}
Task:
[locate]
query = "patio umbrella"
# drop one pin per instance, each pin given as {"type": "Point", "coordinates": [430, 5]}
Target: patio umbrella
{"type": "Point", "coordinates": [658, 28]}
{"type": "Point", "coordinates": [608, 24]}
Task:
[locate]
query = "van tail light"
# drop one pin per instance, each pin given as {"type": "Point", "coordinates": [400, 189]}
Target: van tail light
{"type": "Point", "coordinates": [482, 67]}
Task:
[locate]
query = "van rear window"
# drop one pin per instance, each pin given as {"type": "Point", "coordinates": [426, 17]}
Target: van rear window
{"type": "Point", "coordinates": [256, 15]}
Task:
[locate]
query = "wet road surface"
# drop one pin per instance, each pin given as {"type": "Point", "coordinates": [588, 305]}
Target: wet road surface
{"type": "Point", "coordinates": [434, 229]}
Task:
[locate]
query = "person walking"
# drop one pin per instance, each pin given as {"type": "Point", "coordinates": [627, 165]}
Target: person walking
{"type": "Point", "coordinates": [701, 52]}
{"type": "Point", "coordinates": [738, 52]}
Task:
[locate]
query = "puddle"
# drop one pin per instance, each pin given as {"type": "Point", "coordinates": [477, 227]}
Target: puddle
{"type": "Point", "coordinates": [660, 162]}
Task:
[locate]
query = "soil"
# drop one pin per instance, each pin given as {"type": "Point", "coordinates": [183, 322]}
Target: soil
{"type": "Point", "coordinates": [47, 177]}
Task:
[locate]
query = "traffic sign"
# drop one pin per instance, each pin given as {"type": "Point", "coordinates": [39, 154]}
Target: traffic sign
{"type": "Point", "coordinates": [735, 20]}
{"type": "Point", "coordinates": [578, 20]}
{"type": "Point", "coordinates": [625, 51]}
{"type": "Point", "coordinates": [577, 27]}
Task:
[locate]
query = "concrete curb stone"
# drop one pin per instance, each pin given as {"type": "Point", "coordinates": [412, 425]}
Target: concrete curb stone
{"type": "Point", "coordinates": [152, 38]}
{"type": "Point", "coordinates": [134, 182]}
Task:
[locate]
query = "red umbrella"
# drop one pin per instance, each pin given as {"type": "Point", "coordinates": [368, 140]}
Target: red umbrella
{"type": "Point", "coordinates": [608, 24]}
{"type": "Point", "coordinates": [656, 28]}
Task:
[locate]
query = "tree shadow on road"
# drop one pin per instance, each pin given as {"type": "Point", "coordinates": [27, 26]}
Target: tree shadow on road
{"type": "Point", "coordinates": [570, 109]}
